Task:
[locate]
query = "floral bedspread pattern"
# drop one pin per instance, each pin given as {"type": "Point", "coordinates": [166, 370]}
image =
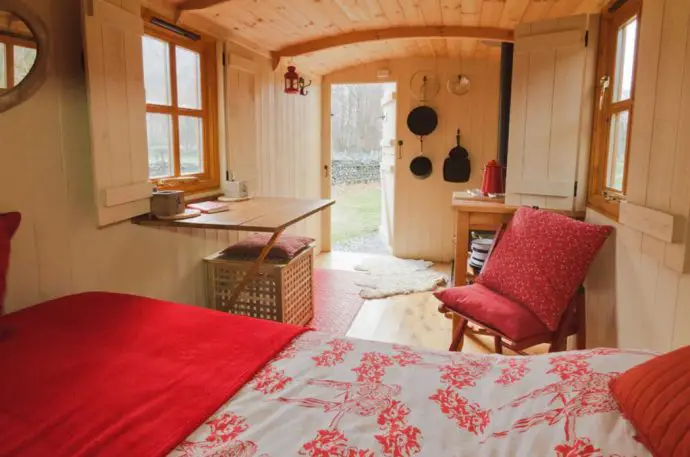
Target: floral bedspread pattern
{"type": "Point", "coordinates": [326, 396]}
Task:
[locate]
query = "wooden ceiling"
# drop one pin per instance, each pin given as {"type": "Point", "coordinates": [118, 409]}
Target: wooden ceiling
{"type": "Point", "coordinates": [276, 24]}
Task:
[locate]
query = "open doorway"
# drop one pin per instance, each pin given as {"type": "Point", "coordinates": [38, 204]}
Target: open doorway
{"type": "Point", "coordinates": [363, 120]}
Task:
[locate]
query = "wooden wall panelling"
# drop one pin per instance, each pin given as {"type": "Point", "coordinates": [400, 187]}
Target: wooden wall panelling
{"type": "Point", "coordinates": [681, 320]}
{"type": "Point", "coordinates": [647, 77]}
{"type": "Point", "coordinates": [667, 101]}
{"type": "Point", "coordinates": [600, 288]}
{"type": "Point", "coordinates": [651, 295]}
{"type": "Point", "coordinates": [675, 255]}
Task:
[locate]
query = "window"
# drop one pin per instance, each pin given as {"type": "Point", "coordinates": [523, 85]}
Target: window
{"type": "Point", "coordinates": [181, 115]}
{"type": "Point", "coordinates": [17, 57]}
{"type": "Point", "coordinates": [614, 107]}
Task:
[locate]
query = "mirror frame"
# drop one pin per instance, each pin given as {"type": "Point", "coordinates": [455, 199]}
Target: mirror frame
{"type": "Point", "coordinates": [37, 76]}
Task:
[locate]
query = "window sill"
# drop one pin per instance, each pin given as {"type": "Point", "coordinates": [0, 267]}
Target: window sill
{"type": "Point", "coordinates": [598, 203]}
{"type": "Point", "coordinates": [602, 213]}
{"type": "Point", "coordinates": [202, 196]}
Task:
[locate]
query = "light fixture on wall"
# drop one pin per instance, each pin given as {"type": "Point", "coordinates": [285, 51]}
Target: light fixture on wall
{"type": "Point", "coordinates": [294, 83]}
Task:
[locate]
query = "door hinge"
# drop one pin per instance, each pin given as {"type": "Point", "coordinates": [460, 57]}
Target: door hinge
{"type": "Point", "coordinates": [227, 175]}
{"type": "Point", "coordinates": [575, 190]}
{"type": "Point", "coordinates": [587, 38]}
{"type": "Point", "coordinates": [225, 62]}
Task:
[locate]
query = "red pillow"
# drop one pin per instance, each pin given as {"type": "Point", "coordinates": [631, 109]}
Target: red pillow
{"type": "Point", "coordinates": [9, 222]}
{"type": "Point", "coordinates": [655, 397]}
{"type": "Point", "coordinates": [541, 260]}
{"type": "Point", "coordinates": [493, 310]}
{"type": "Point", "coordinates": [286, 248]}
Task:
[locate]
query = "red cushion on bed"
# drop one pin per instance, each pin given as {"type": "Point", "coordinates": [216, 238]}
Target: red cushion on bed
{"type": "Point", "coordinates": [116, 375]}
{"type": "Point", "coordinates": [9, 223]}
{"type": "Point", "coordinates": [541, 261]}
{"type": "Point", "coordinates": [497, 312]}
{"type": "Point", "coordinates": [655, 397]}
{"type": "Point", "coordinates": [286, 248]}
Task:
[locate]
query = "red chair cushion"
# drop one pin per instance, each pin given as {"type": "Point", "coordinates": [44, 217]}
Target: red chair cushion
{"type": "Point", "coordinates": [655, 397]}
{"type": "Point", "coordinates": [286, 248]}
{"type": "Point", "coordinates": [541, 260]}
{"type": "Point", "coordinates": [494, 311]}
{"type": "Point", "coordinates": [9, 222]}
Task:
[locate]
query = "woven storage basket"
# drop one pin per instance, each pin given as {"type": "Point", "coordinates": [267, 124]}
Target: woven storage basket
{"type": "Point", "coordinates": [282, 292]}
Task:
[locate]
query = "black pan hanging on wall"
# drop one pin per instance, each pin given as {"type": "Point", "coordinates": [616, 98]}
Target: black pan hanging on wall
{"type": "Point", "coordinates": [456, 168]}
{"type": "Point", "coordinates": [421, 166]}
{"type": "Point", "coordinates": [422, 121]}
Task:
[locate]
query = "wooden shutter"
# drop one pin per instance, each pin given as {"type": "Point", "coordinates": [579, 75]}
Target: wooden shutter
{"type": "Point", "coordinates": [113, 32]}
{"type": "Point", "coordinates": [241, 120]}
{"type": "Point", "coordinates": [551, 113]}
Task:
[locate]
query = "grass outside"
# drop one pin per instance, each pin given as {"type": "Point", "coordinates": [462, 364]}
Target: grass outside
{"type": "Point", "coordinates": [357, 211]}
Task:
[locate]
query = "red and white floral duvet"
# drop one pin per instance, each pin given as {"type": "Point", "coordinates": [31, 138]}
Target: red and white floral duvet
{"type": "Point", "coordinates": [326, 396]}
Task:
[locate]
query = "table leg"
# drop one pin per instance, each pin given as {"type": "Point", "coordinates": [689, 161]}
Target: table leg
{"type": "Point", "coordinates": [254, 268]}
{"type": "Point", "coordinates": [462, 239]}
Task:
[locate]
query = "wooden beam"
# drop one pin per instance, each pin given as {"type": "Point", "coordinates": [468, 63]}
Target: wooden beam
{"type": "Point", "coordinates": [190, 5]}
{"type": "Point", "coordinates": [362, 36]}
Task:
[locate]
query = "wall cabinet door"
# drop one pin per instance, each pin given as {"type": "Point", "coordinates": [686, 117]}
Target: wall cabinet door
{"type": "Point", "coordinates": [551, 113]}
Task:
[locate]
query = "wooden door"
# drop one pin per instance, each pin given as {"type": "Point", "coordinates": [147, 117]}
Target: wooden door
{"type": "Point", "coordinates": [551, 113]}
{"type": "Point", "coordinates": [388, 159]}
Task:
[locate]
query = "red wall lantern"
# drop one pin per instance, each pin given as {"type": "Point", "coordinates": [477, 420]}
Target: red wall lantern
{"type": "Point", "coordinates": [292, 81]}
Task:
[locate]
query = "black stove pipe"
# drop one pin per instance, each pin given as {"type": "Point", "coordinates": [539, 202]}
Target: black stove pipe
{"type": "Point", "coordinates": [505, 93]}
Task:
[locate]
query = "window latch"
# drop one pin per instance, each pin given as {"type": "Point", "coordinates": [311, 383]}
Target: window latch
{"type": "Point", "coordinates": [612, 197]}
{"type": "Point", "coordinates": [604, 84]}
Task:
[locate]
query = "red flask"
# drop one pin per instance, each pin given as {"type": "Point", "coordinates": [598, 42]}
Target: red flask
{"type": "Point", "coordinates": [493, 182]}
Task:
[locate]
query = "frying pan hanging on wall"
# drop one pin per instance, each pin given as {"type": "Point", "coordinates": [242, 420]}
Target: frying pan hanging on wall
{"type": "Point", "coordinates": [422, 120]}
{"type": "Point", "coordinates": [421, 166]}
{"type": "Point", "coordinates": [456, 168]}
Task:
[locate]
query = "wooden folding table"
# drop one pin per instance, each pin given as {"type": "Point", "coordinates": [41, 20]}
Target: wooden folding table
{"type": "Point", "coordinates": [260, 214]}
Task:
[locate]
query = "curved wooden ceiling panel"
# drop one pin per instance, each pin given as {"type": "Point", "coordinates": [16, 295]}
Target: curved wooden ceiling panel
{"type": "Point", "coordinates": [276, 25]}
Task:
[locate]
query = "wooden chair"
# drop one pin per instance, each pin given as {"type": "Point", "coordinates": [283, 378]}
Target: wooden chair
{"type": "Point", "coordinates": [573, 322]}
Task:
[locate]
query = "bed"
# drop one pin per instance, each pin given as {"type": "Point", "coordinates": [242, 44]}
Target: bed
{"type": "Point", "coordinates": [108, 374]}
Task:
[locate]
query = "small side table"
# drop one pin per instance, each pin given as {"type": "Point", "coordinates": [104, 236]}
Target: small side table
{"type": "Point", "coordinates": [475, 215]}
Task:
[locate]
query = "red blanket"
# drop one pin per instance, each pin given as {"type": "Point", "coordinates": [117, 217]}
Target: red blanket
{"type": "Point", "coordinates": [115, 375]}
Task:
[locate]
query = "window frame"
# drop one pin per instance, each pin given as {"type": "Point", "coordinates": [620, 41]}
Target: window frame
{"type": "Point", "coordinates": [209, 179]}
{"type": "Point", "coordinates": [600, 197]}
{"type": "Point", "coordinates": [10, 42]}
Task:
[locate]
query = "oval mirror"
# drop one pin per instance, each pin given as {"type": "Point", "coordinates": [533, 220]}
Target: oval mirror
{"type": "Point", "coordinates": [22, 54]}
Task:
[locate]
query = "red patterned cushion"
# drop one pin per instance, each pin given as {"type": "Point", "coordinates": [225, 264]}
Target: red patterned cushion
{"type": "Point", "coordinates": [541, 260]}
{"type": "Point", "coordinates": [9, 222]}
{"type": "Point", "coordinates": [499, 313]}
{"type": "Point", "coordinates": [286, 248]}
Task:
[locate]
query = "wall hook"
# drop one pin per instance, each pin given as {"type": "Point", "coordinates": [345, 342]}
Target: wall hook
{"type": "Point", "coordinates": [303, 87]}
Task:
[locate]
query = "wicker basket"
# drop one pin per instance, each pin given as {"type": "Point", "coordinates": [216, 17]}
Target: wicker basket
{"type": "Point", "coordinates": [282, 292]}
